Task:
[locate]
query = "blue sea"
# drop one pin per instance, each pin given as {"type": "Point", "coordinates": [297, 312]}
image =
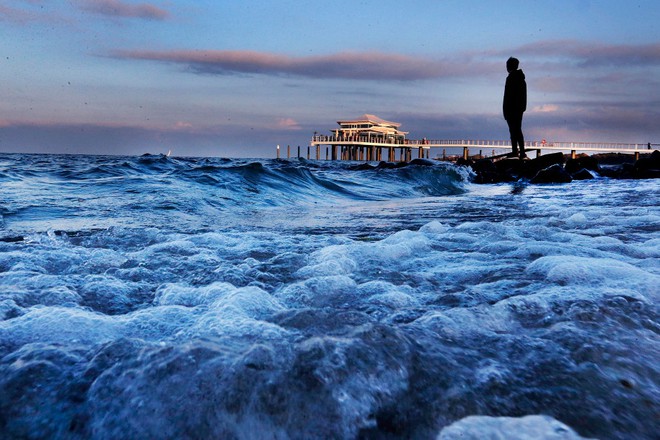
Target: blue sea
{"type": "Point", "coordinates": [156, 297]}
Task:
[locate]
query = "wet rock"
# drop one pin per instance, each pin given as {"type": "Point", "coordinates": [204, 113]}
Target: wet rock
{"type": "Point", "coordinates": [532, 167]}
{"type": "Point", "coordinates": [465, 162]}
{"type": "Point", "coordinates": [488, 172]}
{"type": "Point", "coordinates": [484, 166]}
{"type": "Point", "coordinates": [583, 174]}
{"type": "Point", "coordinates": [422, 162]}
{"type": "Point", "coordinates": [553, 174]}
{"type": "Point", "coordinates": [391, 165]}
{"type": "Point", "coordinates": [613, 158]}
{"type": "Point", "coordinates": [647, 167]}
{"type": "Point", "coordinates": [576, 165]}
{"type": "Point", "coordinates": [613, 172]}
{"type": "Point", "coordinates": [361, 167]}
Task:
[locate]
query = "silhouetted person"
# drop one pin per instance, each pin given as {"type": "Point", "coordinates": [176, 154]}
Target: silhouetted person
{"type": "Point", "coordinates": [515, 104]}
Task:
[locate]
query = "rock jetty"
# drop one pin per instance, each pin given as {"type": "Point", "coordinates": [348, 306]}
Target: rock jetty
{"type": "Point", "coordinates": [558, 168]}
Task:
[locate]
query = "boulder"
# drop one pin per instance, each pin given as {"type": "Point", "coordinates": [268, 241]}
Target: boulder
{"type": "Point", "coordinates": [532, 167]}
{"type": "Point", "coordinates": [580, 163]}
{"type": "Point", "coordinates": [583, 174]}
{"type": "Point", "coordinates": [464, 162]}
{"type": "Point", "coordinates": [513, 166]}
{"type": "Point", "coordinates": [422, 162]}
{"type": "Point", "coordinates": [553, 174]}
{"type": "Point", "coordinates": [647, 167]}
{"type": "Point", "coordinates": [488, 171]}
{"type": "Point", "coordinates": [484, 165]}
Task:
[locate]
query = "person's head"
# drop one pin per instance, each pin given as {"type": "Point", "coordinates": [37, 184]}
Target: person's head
{"type": "Point", "coordinates": [512, 64]}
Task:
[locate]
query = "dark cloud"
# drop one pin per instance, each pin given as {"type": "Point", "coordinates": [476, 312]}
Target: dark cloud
{"type": "Point", "coordinates": [118, 8]}
{"type": "Point", "coordinates": [346, 65]}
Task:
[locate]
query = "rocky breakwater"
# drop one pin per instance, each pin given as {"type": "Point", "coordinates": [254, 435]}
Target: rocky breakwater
{"type": "Point", "coordinates": [557, 168]}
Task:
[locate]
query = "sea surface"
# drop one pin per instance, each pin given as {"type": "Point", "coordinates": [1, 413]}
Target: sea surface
{"type": "Point", "coordinates": [206, 298]}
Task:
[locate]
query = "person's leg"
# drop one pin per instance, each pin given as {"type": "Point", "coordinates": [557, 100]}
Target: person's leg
{"type": "Point", "coordinates": [521, 139]}
{"type": "Point", "coordinates": [513, 132]}
{"type": "Point", "coordinates": [517, 139]}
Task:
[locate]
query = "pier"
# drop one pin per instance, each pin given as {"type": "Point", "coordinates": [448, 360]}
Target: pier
{"type": "Point", "coordinates": [365, 149]}
{"type": "Point", "coordinates": [370, 138]}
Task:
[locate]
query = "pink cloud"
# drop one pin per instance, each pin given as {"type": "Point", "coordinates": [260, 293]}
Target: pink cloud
{"type": "Point", "coordinates": [546, 108]}
{"type": "Point", "coordinates": [118, 8]}
{"type": "Point", "coordinates": [344, 65]}
{"type": "Point", "coordinates": [182, 125]}
{"type": "Point", "coordinates": [20, 16]}
{"type": "Point", "coordinates": [288, 124]}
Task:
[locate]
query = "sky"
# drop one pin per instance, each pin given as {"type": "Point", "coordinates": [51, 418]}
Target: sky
{"type": "Point", "coordinates": [235, 78]}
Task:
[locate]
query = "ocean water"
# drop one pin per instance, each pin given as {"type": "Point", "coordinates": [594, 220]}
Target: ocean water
{"type": "Point", "coordinates": [172, 298]}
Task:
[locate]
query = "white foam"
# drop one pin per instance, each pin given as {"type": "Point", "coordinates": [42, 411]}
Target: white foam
{"type": "Point", "coordinates": [58, 325]}
{"type": "Point", "coordinates": [384, 294]}
{"type": "Point", "coordinates": [584, 271]}
{"type": "Point", "coordinates": [533, 427]}
{"type": "Point", "coordinates": [320, 292]}
{"type": "Point", "coordinates": [177, 294]}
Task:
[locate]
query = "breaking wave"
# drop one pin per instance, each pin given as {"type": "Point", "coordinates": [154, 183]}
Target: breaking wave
{"type": "Point", "coordinates": [155, 297]}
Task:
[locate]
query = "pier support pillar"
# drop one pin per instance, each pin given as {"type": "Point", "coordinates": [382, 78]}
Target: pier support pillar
{"type": "Point", "coordinates": [466, 153]}
{"type": "Point", "coordinates": [636, 155]}
{"type": "Point", "coordinates": [573, 154]}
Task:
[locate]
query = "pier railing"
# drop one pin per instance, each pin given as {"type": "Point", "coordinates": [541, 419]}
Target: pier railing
{"type": "Point", "coordinates": [378, 147]}
{"type": "Point", "coordinates": [472, 143]}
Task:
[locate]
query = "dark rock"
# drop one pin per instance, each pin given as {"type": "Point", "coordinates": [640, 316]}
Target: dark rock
{"type": "Point", "coordinates": [613, 172]}
{"type": "Point", "coordinates": [422, 162]}
{"type": "Point", "coordinates": [614, 158]}
{"type": "Point", "coordinates": [583, 174]}
{"type": "Point", "coordinates": [553, 174]}
{"type": "Point", "coordinates": [391, 165]}
{"type": "Point", "coordinates": [647, 167]}
{"type": "Point", "coordinates": [582, 162]}
{"type": "Point", "coordinates": [361, 167]}
{"type": "Point", "coordinates": [513, 167]}
{"type": "Point", "coordinates": [532, 167]}
{"type": "Point", "coordinates": [464, 162]}
{"type": "Point", "coordinates": [488, 171]}
{"type": "Point", "coordinates": [484, 165]}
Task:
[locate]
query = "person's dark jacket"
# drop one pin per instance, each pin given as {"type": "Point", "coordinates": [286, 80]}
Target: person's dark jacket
{"type": "Point", "coordinates": [515, 95]}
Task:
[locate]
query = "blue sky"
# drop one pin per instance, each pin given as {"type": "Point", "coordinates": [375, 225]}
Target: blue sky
{"type": "Point", "coordinates": [236, 78]}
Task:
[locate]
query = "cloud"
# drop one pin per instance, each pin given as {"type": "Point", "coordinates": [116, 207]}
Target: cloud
{"type": "Point", "coordinates": [546, 108]}
{"type": "Point", "coordinates": [345, 65]}
{"type": "Point", "coordinates": [23, 15]}
{"type": "Point", "coordinates": [121, 9]}
{"type": "Point", "coordinates": [287, 124]}
{"type": "Point", "coordinates": [587, 54]}
{"type": "Point", "coordinates": [182, 125]}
